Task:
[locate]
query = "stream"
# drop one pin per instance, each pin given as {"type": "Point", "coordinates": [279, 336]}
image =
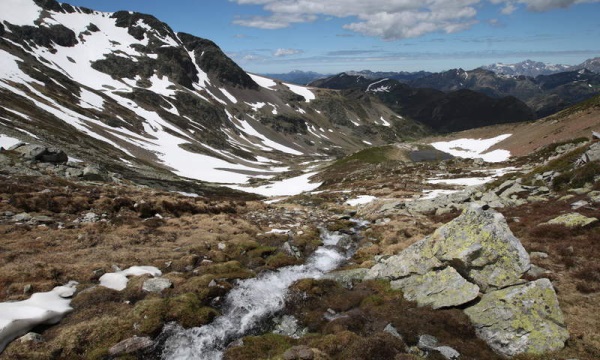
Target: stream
{"type": "Point", "coordinates": [251, 302]}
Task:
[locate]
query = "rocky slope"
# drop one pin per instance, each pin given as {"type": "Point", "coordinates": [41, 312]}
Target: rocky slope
{"type": "Point", "coordinates": [145, 101]}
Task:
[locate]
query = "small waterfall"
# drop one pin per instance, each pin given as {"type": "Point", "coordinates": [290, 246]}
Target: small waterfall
{"type": "Point", "coordinates": [250, 303]}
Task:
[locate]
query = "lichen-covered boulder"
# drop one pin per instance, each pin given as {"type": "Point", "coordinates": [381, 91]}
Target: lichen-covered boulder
{"type": "Point", "coordinates": [573, 220]}
{"type": "Point", "coordinates": [480, 245]}
{"type": "Point", "coordinates": [437, 288]}
{"type": "Point", "coordinates": [520, 319]}
{"type": "Point", "coordinates": [416, 259]}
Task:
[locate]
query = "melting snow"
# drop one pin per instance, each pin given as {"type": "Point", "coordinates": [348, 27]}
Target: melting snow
{"type": "Point", "coordinates": [118, 280]}
{"type": "Point", "coordinates": [385, 122]}
{"type": "Point", "coordinates": [229, 96]}
{"type": "Point", "coordinates": [17, 318]}
{"type": "Point", "coordinates": [475, 148]}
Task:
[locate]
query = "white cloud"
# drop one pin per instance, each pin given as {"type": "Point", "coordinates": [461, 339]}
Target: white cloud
{"type": "Point", "coordinates": [286, 52]}
{"type": "Point", "coordinates": [388, 19]}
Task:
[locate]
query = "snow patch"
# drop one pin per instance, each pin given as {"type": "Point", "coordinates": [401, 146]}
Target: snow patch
{"type": "Point", "coordinates": [17, 318]}
{"type": "Point", "coordinates": [89, 100]}
{"type": "Point", "coordinates": [302, 91]}
{"type": "Point", "coordinates": [19, 12]}
{"type": "Point", "coordinates": [229, 96]}
{"type": "Point", "coordinates": [118, 280]}
{"type": "Point", "coordinates": [361, 200]}
{"type": "Point", "coordinates": [287, 187]}
{"type": "Point", "coordinates": [475, 148]}
{"type": "Point", "coordinates": [7, 141]}
{"type": "Point", "coordinates": [263, 81]}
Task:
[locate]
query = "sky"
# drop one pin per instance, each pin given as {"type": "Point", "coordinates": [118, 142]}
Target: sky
{"type": "Point", "coordinates": [332, 36]}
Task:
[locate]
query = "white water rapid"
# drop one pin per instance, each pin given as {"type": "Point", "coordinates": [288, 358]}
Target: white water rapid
{"type": "Point", "coordinates": [248, 304]}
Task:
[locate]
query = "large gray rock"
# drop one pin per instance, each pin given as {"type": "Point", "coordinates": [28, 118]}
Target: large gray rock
{"type": "Point", "coordinates": [437, 288]}
{"type": "Point", "coordinates": [131, 345]}
{"type": "Point", "coordinates": [156, 285]}
{"type": "Point", "coordinates": [42, 153]}
{"type": "Point", "coordinates": [520, 319]}
{"type": "Point", "coordinates": [478, 244]}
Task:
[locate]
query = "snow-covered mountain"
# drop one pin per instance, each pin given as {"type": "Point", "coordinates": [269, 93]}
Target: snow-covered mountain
{"type": "Point", "coordinates": [526, 68]}
{"type": "Point", "coordinates": [123, 90]}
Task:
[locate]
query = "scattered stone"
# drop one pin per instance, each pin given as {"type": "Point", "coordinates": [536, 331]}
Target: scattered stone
{"type": "Point", "coordinates": [89, 218]}
{"type": "Point", "coordinates": [566, 197]}
{"type": "Point", "coordinates": [41, 219]}
{"type": "Point", "coordinates": [427, 342]}
{"type": "Point", "coordinates": [579, 204]}
{"type": "Point", "coordinates": [438, 288]}
{"type": "Point", "coordinates": [287, 325]}
{"type": "Point", "coordinates": [40, 153]}
{"type": "Point", "coordinates": [520, 319]}
{"type": "Point", "coordinates": [537, 271]}
{"type": "Point", "coordinates": [93, 173]}
{"type": "Point", "coordinates": [538, 255]}
{"type": "Point", "coordinates": [390, 329]}
{"type": "Point", "coordinates": [22, 217]}
{"type": "Point", "coordinates": [221, 246]}
{"type": "Point", "coordinates": [73, 172]}
{"type": "Point", "coordinates": [594, 196]}
{"type": "Point", "coordinates": [156, 285]}
{"type": "Point", "coordinates": [300, 352]}
{"type": "Point", "coordinates": [27, 289]}
{"type": "Point", "coordinates": [31, 337]}
{"type": "Point", "coordinates": [131, 345]}
{"type": "Point", "coordinates": [573, 220]}
{"type": "Point", "coordinates": [448, 352]}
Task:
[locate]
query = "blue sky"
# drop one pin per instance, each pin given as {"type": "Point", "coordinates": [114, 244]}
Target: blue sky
{"type": "Point", "coordinates": [331, 36]}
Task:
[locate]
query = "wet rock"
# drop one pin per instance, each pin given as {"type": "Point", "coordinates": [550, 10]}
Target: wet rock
{"type": "Point", "coordinates": [438, 288]}
{"type": "Point", "coordinates": [287, 325]}
{"type": "Point", "coordinates": [131, 345]}
{"type": "Point", "coordinates": [156, 285]}
{"type": "Point", "coordinates": [520, 319]}
{"type": "Point", "coordinates": [347, 277]}
{"type": "Point", "coordinates": [573, 220]}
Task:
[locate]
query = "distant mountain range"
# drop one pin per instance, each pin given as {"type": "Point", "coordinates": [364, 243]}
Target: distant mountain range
{"type": "Point", "coordinates": [525, 68]}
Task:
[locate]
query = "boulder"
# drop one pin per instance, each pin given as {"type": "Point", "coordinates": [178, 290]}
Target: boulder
{"type": "Point", "coordinates": [520, 319]}
{"type": "Point", "coordinates": [41, 153]}
{"type": "Point", "coordinates": [573, 220]}
{"type": "Point", "coordinates": [480, 246]}
{"type": "Point", "coordinates": [437, 288]}
{"type": "Point", "coordinates": [93, 173]}
{"type": "Point", "coordinates": [156, 285]}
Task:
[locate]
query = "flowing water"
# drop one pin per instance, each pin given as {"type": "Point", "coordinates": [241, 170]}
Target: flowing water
{"type": "Point", "coordinates": [249, 304]}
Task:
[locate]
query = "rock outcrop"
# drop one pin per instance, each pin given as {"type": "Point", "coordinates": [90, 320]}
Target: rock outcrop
{"type": "Point", "coordinates": [477, 253]}
{"type": "Point", "coordinates": [520, 319]}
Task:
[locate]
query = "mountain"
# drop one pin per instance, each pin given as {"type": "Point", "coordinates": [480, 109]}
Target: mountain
{"type": "Point", "coordinates": [535, 68]}
{"type": "Point", "coordinates": [526, 68]}
{"type": "Point", "coordinates": [442, 111]}
{"type": "Point", "coordinates": [402, 76]}
{"type": "Point", "coordinates": [297, 77]}
{"type": "Point", "coordinates": [125, 91]}
{"type": "Point", "coordinates": [544, 94]}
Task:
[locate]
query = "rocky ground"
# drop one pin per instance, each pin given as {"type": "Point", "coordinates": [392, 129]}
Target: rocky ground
{"type": "Point", "coordinates": [57, 229]}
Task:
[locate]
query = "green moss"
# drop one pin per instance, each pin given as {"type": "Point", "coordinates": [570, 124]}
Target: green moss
{"type": "Point", "coordinates": [281, 259]}
{"type": "Point", "coordinates": [227, 270]}
{"type": "Point", "coordinates": [188, 311]}
{"type": "Point", "coordinates": [149, 315]}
